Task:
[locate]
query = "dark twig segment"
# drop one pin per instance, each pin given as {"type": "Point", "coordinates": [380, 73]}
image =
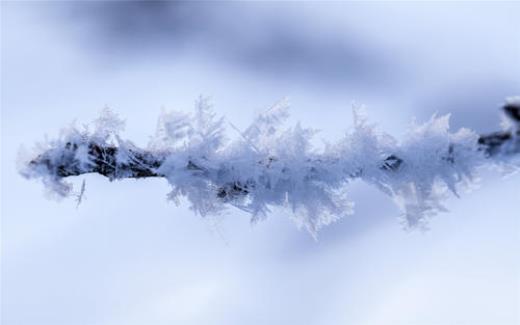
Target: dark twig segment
{"type": "Point", "coordinates": [103, 161]}
{"type": "Point", "coordinates": [492, 143]}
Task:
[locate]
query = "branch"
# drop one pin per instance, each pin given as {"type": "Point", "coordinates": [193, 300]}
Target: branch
{"type": "Point", "coordinates": [279, 169]}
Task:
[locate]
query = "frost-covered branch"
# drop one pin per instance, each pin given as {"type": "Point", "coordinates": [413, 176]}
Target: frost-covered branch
{"type": "Point", "coordinates": [269, 165]}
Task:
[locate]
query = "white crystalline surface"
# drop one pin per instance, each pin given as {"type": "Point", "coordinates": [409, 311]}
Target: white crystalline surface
{"type": "Point", "coordinates": [270, 164]}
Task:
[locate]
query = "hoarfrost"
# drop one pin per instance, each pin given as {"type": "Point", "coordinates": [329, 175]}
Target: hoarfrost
{"type": "Point", "coordinates": [273, 165]}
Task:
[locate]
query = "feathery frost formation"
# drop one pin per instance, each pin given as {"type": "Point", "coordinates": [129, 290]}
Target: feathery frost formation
{"type": "Point", "coordinates": [272, 165]}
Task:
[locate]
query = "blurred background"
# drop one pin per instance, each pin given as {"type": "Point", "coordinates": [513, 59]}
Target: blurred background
{"type": "Point", "coordinates": [127, 256]}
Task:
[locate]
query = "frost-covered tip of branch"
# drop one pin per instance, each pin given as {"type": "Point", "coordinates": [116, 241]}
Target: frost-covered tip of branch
{"type": "Point", "coordinates": [272, 165]}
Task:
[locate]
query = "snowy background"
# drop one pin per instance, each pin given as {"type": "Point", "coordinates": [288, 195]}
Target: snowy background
{"type": "Point", "coordinates": [128, 256]}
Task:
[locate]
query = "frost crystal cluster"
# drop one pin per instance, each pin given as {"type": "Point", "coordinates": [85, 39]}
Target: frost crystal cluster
{"type": "Point", "coordinates": [272, 165]}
